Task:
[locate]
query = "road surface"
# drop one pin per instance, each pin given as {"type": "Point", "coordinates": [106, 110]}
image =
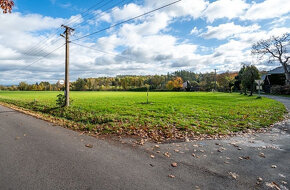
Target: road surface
{"type": "Point", "coordinates": [34, 154]}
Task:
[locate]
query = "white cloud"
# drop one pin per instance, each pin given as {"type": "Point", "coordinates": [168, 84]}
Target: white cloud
{"type": "Point", "coordinates": [225, 9]}
{"type": "Point", "coordinates": [195, 31]}
{"type": "Point", "coordinates": [228, 30]}
{"type": "Point", "coordinates": [268, 9]}
{"type": "Point", "coordinates": [149, 45]}
{"type": "Point", "coordinates": [192, 8]}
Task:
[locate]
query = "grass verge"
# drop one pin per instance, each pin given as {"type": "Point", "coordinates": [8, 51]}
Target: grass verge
{"type": "Point", "coordinates": [169, 115]}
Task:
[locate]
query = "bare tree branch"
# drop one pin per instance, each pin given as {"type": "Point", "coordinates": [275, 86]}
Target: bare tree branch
{"type": "Point", "coordinates": [276, 48]}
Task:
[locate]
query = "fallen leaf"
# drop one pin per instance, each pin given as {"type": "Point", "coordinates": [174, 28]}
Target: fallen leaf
{"type": "Point", "coordinates": [176, 150]}
{"type": "Point", "coordinates": [158, 151]}
{"type": "Point", "coordinates": [284, 182]}
{"type": "Point", "coordinates": [167, 154]}
{"type": "Point", "coordinates": [259, 180]}
{"type": "Point", "coordinates": [281, 175]}
{"type": "Point", "coordinates": [152, 156]}
{"type": "Point", "coordinates": [262, 155]}
{"type": "Point", "coordinates": [273, 185]}
{"type": "Point", "coordinates": [193, 154]}
{"type": "Point", "coordinates": [157, 146]}
{"type": "Point", "coordinates": [233, 175]}
{"type": "Point", "coordinates": [273, 166]}
{"type": "Point", "coordinates": [174, 164]}
{"type": "Point", "coordinates": [171, 176]}
{"type": "Point", "coordinates": [201, 150]}
{"type": "Point", "coordinates": [89, 145]}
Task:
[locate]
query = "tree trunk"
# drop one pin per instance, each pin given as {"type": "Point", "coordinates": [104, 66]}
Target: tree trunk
{"type": "Point", "coordinates": [252, 90]}
{"type": "Point", "coordinates": [287, 74]}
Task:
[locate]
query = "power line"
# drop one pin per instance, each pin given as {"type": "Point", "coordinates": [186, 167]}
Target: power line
{"type": "Point", "coordinates": [36, 47]}
{"type": "Point", "coordinates": [103, 12]}
{"type": "Point", "coordinates": [48, 54]}
{"type": "Point", "coordinates": [109, 53]}
{"type": "Point", "coordinates": [40, 49]}
{"type": "Point", "coordinates": [128, 20]}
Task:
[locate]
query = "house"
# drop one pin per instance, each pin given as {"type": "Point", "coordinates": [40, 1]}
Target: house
{"type": "Point", "coordinates": [186, 86]}
{"type": "Point", "coordinates": [274, 77]}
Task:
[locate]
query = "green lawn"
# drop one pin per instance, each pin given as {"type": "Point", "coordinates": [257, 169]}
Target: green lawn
{"type": "Point", "coordinates": [169, 114]}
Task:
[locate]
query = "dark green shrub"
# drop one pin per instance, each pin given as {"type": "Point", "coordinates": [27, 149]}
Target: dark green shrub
{"type": "Point", "coordinates": [286, 90]}
{"type": "Point", "coordinates": [276, 90]}
{"type": "Point", "coordinates": [60, 101]}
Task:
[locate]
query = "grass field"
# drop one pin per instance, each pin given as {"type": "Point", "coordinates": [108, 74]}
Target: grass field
{"type": "Point", "coordinates": [169, 114]}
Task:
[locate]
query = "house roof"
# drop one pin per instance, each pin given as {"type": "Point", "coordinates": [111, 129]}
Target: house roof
{"type": "Point", "coordinates": [278, 70]}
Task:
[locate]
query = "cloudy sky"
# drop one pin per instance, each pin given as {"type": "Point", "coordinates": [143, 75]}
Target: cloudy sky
{"type": "Point", "coordinates": [196, 35]}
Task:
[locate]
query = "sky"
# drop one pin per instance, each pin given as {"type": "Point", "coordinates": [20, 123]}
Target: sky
{"type": "Point", "coordinates": [194, 35]}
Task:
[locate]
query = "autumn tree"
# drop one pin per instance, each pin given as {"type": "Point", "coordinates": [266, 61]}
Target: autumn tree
{"type": "Point", "coordinates": [248, 76]}
{"type": "Point", "coordinates": [275, 48]}
{"type": "Point", "coordinates": [175, 84]}
{"type": "Point", "coordinates": [226, 81]}
{"type": "Point", "coordinates": [170, 85]}
{"type": "Point", "coordinates": [6, 5]}
{"type": "Point", "coordinates": [22, 86]}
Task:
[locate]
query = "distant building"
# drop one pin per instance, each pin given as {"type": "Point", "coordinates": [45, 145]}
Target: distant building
{"type": "Point", "coordinates": [186, 86]}
{"type": "Point", "coordinates": [274, 77]}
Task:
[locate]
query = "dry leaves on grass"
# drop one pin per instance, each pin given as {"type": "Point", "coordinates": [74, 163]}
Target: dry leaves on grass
{"type": "Point", "coordinates": [171, 176]}
{"type": "Point", "coordinates": [152, 156]}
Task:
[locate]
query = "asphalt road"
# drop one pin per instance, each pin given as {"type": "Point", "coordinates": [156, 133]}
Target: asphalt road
{"type": "Point", "coordinates": [34, 154]}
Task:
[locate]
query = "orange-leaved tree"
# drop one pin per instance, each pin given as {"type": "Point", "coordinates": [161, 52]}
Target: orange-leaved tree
{"type": "Point", "coordinates": [175, 84]}
{"type": "Point", "coordinates": [6, 5]}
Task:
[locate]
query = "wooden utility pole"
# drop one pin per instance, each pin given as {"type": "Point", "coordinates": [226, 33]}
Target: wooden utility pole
{"type": "Point", "coordinates": [67, 33]}
{"type": "Point", "coordinates": [215, 80]}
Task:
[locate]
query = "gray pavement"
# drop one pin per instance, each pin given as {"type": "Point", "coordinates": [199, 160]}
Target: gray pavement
{"type": "Point", "coordinates": [34, 154]}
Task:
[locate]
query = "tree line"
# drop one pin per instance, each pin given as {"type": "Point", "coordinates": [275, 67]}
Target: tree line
{"type": "Point", "coordinates": [225, 82]}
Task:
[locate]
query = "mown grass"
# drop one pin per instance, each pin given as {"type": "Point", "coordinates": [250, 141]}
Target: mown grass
{"type": "Point", "coordinates": [169, 114]}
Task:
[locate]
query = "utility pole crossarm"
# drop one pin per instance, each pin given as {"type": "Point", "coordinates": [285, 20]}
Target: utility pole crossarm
{"type": "Point", "coordinates": [67, 33]}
